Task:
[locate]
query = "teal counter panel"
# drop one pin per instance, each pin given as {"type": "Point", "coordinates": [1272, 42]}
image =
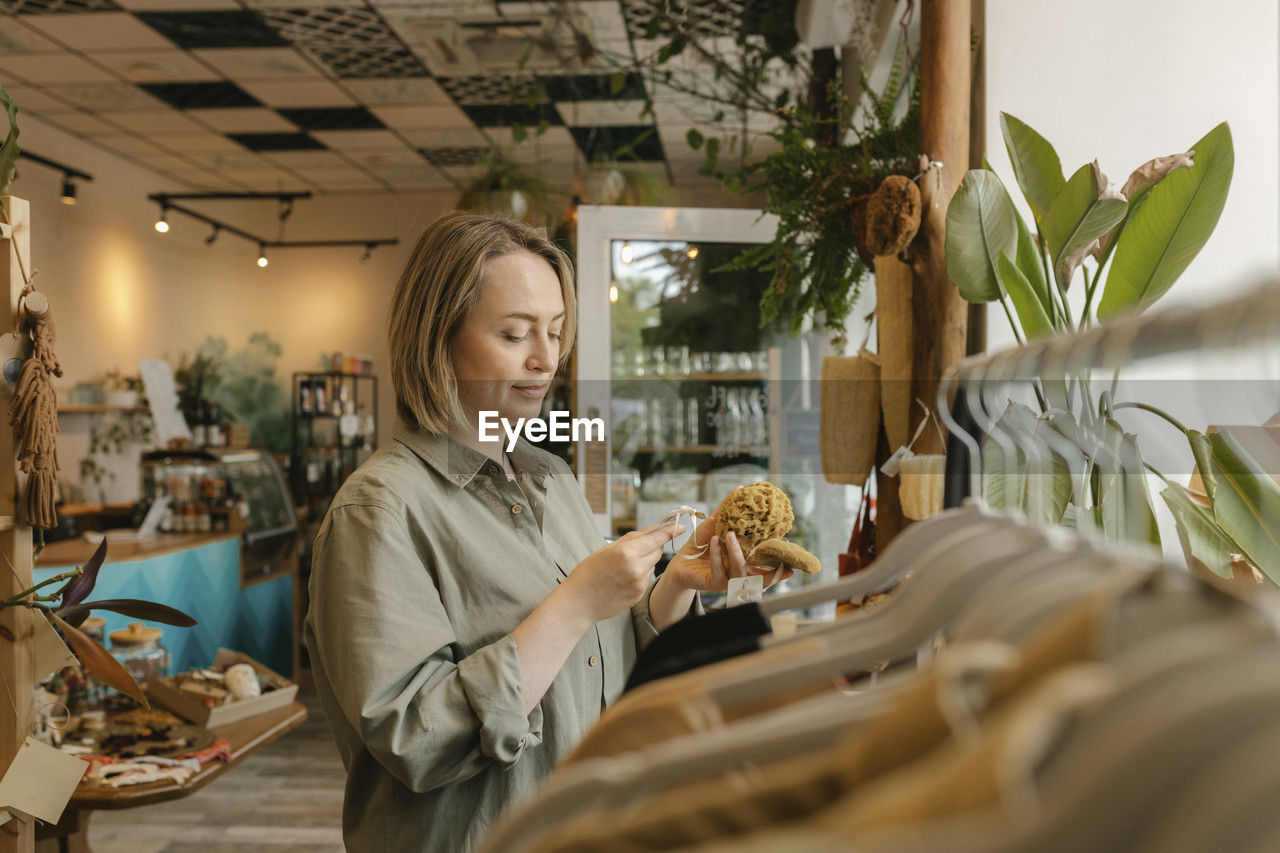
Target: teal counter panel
{"type": "Point", "coordinates": [205, 583]}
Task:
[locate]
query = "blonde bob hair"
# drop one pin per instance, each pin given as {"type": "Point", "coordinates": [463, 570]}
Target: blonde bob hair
{"type": "Point", "coordinates": [438, 288]}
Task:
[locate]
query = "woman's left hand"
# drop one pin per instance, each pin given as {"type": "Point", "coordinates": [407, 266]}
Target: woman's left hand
{"type": "Point", "coordinates": [710, 571]}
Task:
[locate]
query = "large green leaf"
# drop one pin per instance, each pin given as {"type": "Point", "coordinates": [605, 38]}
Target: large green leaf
{"type": "Point", "coordinates": [980, 225]}
{"type": "Point", "coordinates": [1170, 228]}
{"type": "Point", "coordinates": [1028, 259]}
{"type": "Point", "coordinates": [1203, 454]}
{"type": "Point", "coordinates": [1201, 535]}
{"type": "Point", "coordinates": [1035, 322]}
{"type": "Point", "coordinates": [1048, 478]}
{"type": "Point", "coordinates": [1041, 486]}
{"type": "Point", "coordinates": [1082, 213]}
{"type": "Point", "coordinates": [1123, 498]}
{"type": "Point", "coordinates": [1035, 164]}
{"type": "Point", "coordinates": [1246, 502]}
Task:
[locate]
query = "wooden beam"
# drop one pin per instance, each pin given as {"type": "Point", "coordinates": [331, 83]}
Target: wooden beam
{"type": "Point", "coordinates": [15, 541]}
{"type": "Point", "coordinates": [940, 313]}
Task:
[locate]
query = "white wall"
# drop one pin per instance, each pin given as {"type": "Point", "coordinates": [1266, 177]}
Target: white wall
{"type": "Point", "coordinates": [120, 291]}
{"type": "Point", "coordinates": [1128, 80]}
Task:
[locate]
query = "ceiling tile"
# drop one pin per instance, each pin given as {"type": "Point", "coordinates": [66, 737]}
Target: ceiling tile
{"type": "Point", "coordinates": [628, 142]}
{"type": "Point", "coordinates": [40, 101]}
{"type": "Point", "coordinates": [265, 63]}
{"type": "Point", "coordinates": [418, 117]}
{"type": "Point", "coordinates": [360, 140]}
{"type": "Point", "coordinates": [578, 113]}
{"type": "Point", "coordinates": [83, 124]}
{"type": "Point", "coordinates": [191, 96]}
{"type": "Point", "coordinates": [267, 179]}
{"type": "Point", "coordinates": [107, 97]}
{"type": "Point", "coordinates": [16, 37]}
{"type": "Point", "coordinates": [297, 93]}
{"type": "Point", "coordinates": [461, 137]}
{"type": "Point", "coordinates": [299, 4]}
{"type": "Point", "coordinates": [453, 156]}
{"type": "Point", "coordinates": [534, 146]}
{"type": "Point", "coordinates": [504, 115]}
{"type": "Point", "coordinates": [246, 120]}
{"type": "Point", "coordinates": [50, 68]}
{"type": "Point", "coordinates": [154, 66]}
{"type": "Point", "coordinates": [386, 159]}
{"type": "Point", "coordinates": [164, 160]}
{"type": "Point", "coordinates": [101, 31]}
{"type": "Point", "coordinates": [176, 5]}
{"type": "Point", "coordinates": [425, 176]}
{"type": "Point", "coordinates": [126, 143]}
{"type": "Point", "coordinates": [215, 28]}
{"type": "Point", "coordinates": [40, 7]}
{"type": "Point", "coordinates": [322, 177]}
{"type": "Point", "coordinates": [160, 121]}
{"type": "Point", "coordinates": [188, 143]}
{"type": "Point", "coordinates": [227, 160]}
{"type": "Point", "coordinates": [463, 175]}
{"type": "Point", "coordinates": [398, 90]}
{"type": "Point", "coordinates": [203, 180]}
{"type": "Point", "coordinates": [594, 87]}
{"type": "Point", "coordinates": [304, 160]}
{"type": "Point", "coordinates": [348, 25]}
{"type": "Point", "coordinates": [387, 59]}
{"type": "Point", "coordinates": [277, 141]}
{"type": "Point", "coordinates": [497, 89]}
{"type": "Point", "coordinates": [332, 118]}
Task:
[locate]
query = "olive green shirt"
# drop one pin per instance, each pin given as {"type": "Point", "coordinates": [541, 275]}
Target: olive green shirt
{"type": "Point", "coordinates": [428, 558]}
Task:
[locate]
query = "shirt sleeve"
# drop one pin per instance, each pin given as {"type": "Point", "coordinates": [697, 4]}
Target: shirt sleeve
{"type": "Point", "coordinates": [642, 620]}
{"type": "Point", "coordinates": [383, 639]}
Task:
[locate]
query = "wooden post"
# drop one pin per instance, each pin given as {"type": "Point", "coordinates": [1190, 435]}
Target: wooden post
{"type": "Point", "coordinates": [939, 313]}
{"type": "Point", "coordinates": [15, 539]}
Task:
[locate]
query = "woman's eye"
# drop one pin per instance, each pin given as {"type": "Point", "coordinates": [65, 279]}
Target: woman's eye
{"type": "Point", "coordinates": [515, 339]}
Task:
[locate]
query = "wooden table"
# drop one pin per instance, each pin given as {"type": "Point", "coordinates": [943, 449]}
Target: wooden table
{"type": "Point", "coordinates": [245, 736]}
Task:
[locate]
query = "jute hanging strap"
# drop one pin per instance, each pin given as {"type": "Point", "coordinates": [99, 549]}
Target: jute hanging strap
{"type": "Point", "coordinates": [33, 413]}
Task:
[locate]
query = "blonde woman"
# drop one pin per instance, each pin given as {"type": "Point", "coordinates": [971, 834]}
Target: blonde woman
{"type": "Point", "coordinates": [467, 622]}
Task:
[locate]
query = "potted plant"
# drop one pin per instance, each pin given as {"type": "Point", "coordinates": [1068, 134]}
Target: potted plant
{"type": "Point", "coordinates": [122, 392]}
{"type": "Point", "coordinates": [516, 189]}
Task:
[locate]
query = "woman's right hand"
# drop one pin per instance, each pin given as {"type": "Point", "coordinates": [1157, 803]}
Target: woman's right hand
{"type": "Point", "coordinates": [616, 577]}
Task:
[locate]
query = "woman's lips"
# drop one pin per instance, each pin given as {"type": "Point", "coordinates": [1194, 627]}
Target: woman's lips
{"type": "Point", "coordinates": [533, 392]}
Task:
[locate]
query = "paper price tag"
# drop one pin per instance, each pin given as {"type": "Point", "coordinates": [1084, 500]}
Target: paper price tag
{"type": "Point", "coordinates": [40, 781]}
{"type": "Point", "coordinates": [744, 590]}
{"type": "Point", "coordinates": [49, 654]}
{"type": "Point", "coordinates": [894, 463]}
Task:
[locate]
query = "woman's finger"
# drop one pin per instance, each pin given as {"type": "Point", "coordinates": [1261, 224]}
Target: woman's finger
{"type": "Point", "coordinates": [701, 536]}
{"type": "Point", "coordinates": [717, 561]}
{"type": "Point", "coordinates": [656, 537]}
{"type": "Point", "coordinates": [737, 561]}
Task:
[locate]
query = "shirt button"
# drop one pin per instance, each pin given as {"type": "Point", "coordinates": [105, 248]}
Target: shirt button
{"type": "Point", "coordinates": [593, 660]}
{"type": "Point", "coordinates": [516, 509]}
{"type": "Point", "coordinates": [493, 469]}
{"type": "Point", "coordinates": [461, 478]}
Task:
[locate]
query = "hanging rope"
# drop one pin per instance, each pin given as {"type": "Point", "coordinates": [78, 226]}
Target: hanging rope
{"type": "Point", "coordinates": [33, 413]}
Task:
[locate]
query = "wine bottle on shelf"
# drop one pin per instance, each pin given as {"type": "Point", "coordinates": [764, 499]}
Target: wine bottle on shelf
{"type": "Point", "coordinates": [198, 435]}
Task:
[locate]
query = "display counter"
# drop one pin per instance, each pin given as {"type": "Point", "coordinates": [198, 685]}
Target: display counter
{"type": "Point", "coordinates": [201, 575]}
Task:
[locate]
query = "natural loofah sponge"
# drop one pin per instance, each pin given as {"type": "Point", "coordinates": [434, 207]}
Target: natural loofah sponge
{"type": "Point", "coordinates": [893, 215]}
{"type": "Point", "coordinates": [781, 554]}
{"type": "Point", "coordinates": [755, 512]}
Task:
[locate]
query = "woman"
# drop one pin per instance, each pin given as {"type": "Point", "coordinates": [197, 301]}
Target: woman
{"type": "Point", "coordinates": [466, 628]}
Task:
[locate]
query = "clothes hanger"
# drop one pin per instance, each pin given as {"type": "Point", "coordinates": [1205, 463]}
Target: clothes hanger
{"type": "Point", "coordinates": [902, 554]}
{"type": "Point", "coordinates": [893, 631]}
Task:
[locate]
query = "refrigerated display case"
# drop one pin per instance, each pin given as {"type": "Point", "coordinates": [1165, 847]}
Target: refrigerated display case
{"type": "Point", "coordinates": [697, 398]}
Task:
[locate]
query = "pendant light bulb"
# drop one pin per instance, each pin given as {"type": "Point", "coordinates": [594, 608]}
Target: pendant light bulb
{"type": "Point", "coordinates": [262, 256]}
{"type": "Point", "coordinates": [162, 224]}
{"type": "Point", "coordinates": [68, 192]}
{"type": "Point", "coordinates": [626, 254]}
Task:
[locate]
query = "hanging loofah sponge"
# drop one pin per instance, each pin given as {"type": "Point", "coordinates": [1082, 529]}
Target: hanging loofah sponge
{"type": "Point", "coordinates": [755, 512]}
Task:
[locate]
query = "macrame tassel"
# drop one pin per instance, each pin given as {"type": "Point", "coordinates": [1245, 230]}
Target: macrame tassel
{"type": "Point", "coordinates": [33, 415]}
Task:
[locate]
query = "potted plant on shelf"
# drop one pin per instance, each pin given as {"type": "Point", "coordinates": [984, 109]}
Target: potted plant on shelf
{"type": "Point", "coordinates": [122, 392]}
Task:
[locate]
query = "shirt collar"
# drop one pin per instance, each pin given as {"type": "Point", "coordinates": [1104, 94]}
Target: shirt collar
{"type": "Point", "coordinates": [457, 462]}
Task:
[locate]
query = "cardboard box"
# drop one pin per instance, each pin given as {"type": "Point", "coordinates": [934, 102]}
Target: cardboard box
{"type": "Point", "coordinates": [165, 694]}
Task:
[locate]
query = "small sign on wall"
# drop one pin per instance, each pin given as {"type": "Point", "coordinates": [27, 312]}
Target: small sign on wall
{"type": "Point", "coordinates": [162, 395]}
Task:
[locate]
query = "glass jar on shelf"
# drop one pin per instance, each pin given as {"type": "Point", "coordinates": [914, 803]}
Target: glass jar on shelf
{"type": "Point", "coordinates": [140, 652]}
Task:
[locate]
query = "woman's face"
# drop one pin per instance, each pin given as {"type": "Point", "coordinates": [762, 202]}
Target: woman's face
{"type": "Point", "coordinates": [506, 351]}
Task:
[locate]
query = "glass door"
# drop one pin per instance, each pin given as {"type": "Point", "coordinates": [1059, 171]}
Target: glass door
{"type": "Point", "coordinates": [696, 397]}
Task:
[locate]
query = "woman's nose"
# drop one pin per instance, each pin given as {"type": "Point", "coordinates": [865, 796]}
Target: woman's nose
{"type": "Point", "coordinates": [544, 355]}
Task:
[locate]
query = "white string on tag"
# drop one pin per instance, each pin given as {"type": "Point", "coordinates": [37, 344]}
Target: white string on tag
{"type": "Point", "coordinates": [893, 464]}
{"type": "Point", "coordinates": [694, 517]}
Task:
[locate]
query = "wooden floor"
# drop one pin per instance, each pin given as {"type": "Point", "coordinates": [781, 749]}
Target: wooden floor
{"type": "Point", "coordinates": [285, 797]}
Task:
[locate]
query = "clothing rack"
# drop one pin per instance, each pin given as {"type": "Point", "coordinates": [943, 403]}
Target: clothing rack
{"type": "Point", "coordinates": [1248, 318]}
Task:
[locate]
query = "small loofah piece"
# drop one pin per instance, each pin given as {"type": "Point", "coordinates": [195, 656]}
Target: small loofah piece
{"type": "Point", "coordinates": [781, 554]}
{"type": "Point", "coordinates": [755, 512]}
{"type": "Point", "coordinates": [893, 215]}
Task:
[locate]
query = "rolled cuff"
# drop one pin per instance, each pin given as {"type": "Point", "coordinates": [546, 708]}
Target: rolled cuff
{"type": "Point", "coordinates": [493, 685]}
{"type": "Point", "coordinates": [642, 620]}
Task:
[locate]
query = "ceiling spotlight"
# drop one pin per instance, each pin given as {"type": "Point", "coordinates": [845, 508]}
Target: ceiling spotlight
{"type": "Point", "coordinates": [68, 191]}
{"type": "Point", "coordinates": [626, 254]}
{"type": "Point", "coordinates": [213, 235]}
{"type": "Point", "coordinates": [692, 253]}
{"type": "Point", "coordinates": [368, 252]}
{"type": "Point", "coordinates": [286, 208]}
{"type": "Point", "coordinates": [262, 255]}
{"type": "Point", "coordinates": [162, 224]}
